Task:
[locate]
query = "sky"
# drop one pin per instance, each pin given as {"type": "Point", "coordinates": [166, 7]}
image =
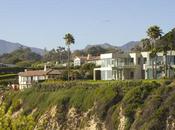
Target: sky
{"type": "Point", "coordinates": [43, 23]}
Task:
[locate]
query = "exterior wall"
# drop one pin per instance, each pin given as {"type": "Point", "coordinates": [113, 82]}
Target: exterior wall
{"type": "Point", "coordinates": [134, 56]}
{"type": "Point", "coordinates": [147, 65]}
{"type": "Point", "coordinates": [25, 82]}
{"type": "Point", "coordinates": [159, 62]}
{"type": "Point", "coordinates": [96, 62]}
{"type": "Point", "coordinates": [106, 66]}
{"type": "Point", "coordinates": [106, 60]}
{"type": "Point", "coordinates": [138, 62]}
{"type": "Point", "coordinates": [106, 56]}
{"type": "Point", "coordinates": [138, 67]}
{"type": "Point", "coordinates": [106, 74]}
{"type": "Point", "coordinates": [77, 61]}
{"type": "Point", "coordinates": [114, 67]}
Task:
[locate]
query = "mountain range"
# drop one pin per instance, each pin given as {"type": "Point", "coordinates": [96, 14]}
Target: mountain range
{"type": "Point", "coordinates": [126, 47]}
{"type": "Point", "coordinates": [8, 47]}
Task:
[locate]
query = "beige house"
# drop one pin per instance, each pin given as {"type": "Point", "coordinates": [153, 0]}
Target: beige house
{"type": "Point", "coordinates": [79, 60]}
{"type": "Point", "coordinates": [28, 77]}
{"type": "Point", "coordinates": [94, 59]}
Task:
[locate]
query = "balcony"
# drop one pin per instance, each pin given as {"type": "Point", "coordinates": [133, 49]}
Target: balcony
{"type": "Point", "coordinates": [121, 66]}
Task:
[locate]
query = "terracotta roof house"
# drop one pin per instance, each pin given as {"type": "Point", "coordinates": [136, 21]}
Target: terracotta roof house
{"type": "Point", "coordinates": [94, 59]}
{"type": "Point", "coordinates": [78, 61]}
{"type": "Point", "coordinates": [26, 78]}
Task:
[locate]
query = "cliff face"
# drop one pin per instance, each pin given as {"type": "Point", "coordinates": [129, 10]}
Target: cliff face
{"type": "Point", "coordinates": [126, 105]}
{"type": "Point", "coordinates": [73, 120]}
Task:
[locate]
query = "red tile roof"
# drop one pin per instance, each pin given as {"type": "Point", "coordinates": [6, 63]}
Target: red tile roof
{"type": "Point", "coordinates": [94, 58]}
{"type": "Point", "coordinates": [39, 72]}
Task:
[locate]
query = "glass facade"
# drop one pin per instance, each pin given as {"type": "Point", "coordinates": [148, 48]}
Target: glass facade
{"type": "Point", "coordinates": [106, 75]}
{"type": "Point", "coordinates": [142, 65]}
{"type": "Point", "coordinates": [106, 62]}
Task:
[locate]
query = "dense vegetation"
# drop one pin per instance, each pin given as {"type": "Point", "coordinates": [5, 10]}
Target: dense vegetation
{"type": "Point", "coordinates": [164, 43]}
{"type": "Point", "coordinates": [96, 51]}
{"type": "Point", "coordinates": [21, 57]}
{"type": "Point", "coordinates": [146, 105]}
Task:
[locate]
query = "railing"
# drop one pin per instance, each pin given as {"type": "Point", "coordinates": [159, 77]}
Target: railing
{"type": "Point", "coordinates": [127, 66]}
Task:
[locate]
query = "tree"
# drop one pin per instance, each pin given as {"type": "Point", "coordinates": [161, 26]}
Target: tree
{"type": "Point", "coordinates": [96, 50]}
{"type": "Point", "coordinates": [69, 39]}
{"type": "Point", "coordinates": [154, 32]}
{"type": "Point", "coordinates": [171, 40]}
{"type": "Point", "coordinates": [166, 43]}
{"type": "Point", "coordinates": [79, 53]}
{"type": "Point", "coordinates": [146, 45]}
{"type": "Point", "coordinates": [137, 48]}
{"type": "Point", "coordinates": [21, 54]}
{"type": "Point", "coordinates": [87, 70]}
{"type": "Point", "coordinates": [60, 51]}
{"type": "Point", "coordinates": [54, 55]}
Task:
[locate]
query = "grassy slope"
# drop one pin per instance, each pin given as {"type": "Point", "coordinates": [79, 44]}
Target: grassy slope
{"type": "Point", "coordinates": [137, 98]}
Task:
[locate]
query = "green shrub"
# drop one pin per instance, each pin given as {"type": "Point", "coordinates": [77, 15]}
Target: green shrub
{"type": "Point", "coordinates": [145, 104]}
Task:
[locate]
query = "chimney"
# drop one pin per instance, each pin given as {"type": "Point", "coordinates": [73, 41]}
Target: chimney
{"type": "Point", "coordinates": [45, 67]}
{"type": "Point", "coordinates": [89, 56]}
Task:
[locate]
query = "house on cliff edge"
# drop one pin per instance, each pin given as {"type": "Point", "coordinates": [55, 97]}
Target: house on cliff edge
{"type": "Point", "coordinates": [28, 77]}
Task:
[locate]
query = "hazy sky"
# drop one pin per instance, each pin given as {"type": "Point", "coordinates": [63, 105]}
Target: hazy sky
{"type": "Point", "coordinates": [43, 23]}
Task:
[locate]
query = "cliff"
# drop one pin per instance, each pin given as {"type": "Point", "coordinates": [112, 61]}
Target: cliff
{"type": "Point", "coordinates": [101, 105]}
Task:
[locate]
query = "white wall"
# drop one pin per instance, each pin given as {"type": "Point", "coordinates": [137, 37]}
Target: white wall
{"type": "Point", "coordinates": [105, 56]}
{"type": "Point", "coordinates": [25, 82]}
{"type": "Point", "coordinates": [77, 61]}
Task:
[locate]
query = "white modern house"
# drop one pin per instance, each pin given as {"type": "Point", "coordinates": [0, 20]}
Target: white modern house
{"type": "Point", "coordinates": [162, 64]}
{"type": "Point", "coordinates": [138, 65]}
{"type": "Point", "coordinates": [118, 67]}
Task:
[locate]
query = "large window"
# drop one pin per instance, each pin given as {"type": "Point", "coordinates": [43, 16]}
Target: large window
{"type": "Point", "coordinates": [24, 79]}
{"type": "Point", "coordinates": [171, 60]}
{"type": "Point", "coordinates": [139, 60]}
{"type": "Point", "coordinates": [106, 74]}
{"type": "Point", "coordinates": [121, 62]}
{"type": "Point", "coordinates": [132, 60]}
{"type": "Point", "coordinates": [132, 75]}
{"type": "Point", "coordinates": [144, 60]}
{"type": "Point", "coordinates": [107, 62]}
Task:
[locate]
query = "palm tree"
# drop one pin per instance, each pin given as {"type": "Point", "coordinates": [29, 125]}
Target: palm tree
{"type": "Point", "coordinates": [137, 48]}
{"type": "Point", "coordinates": [164, 46]}
{"type": "Point", "coordinates": [153, 57]}
{"type": "Point", "coordinates": [69, 39]}
{"type": "Point", "coordinates": [146, 45]}
{"type": "Point", "coordinates": [170, 45]}
{"type": "Point", "coordinates": [154, 33]}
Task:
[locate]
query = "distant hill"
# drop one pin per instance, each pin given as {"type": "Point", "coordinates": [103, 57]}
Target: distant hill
{"type": "Point", "coordinates": [104, 45]}
{"type": "Point", "coordinates": [126, 47]}
{"type": "Point", "coordinates": [8, 47]}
